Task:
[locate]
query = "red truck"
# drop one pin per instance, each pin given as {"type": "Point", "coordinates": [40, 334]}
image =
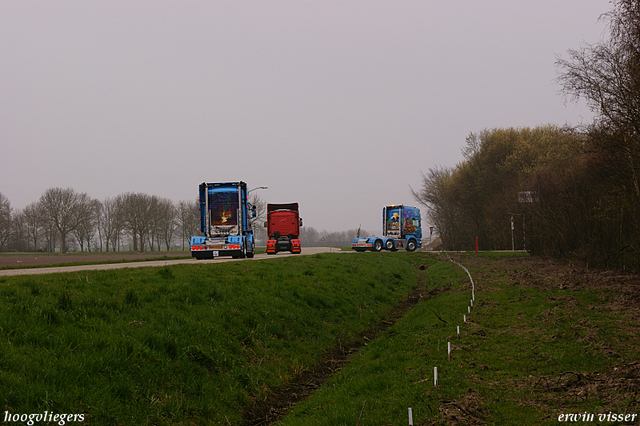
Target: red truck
{"type": "Point", "coordinates": [283, 228]}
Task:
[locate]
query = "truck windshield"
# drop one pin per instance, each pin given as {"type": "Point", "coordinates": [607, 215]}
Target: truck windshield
{"type": "Point", "coordinates": [223, 213]}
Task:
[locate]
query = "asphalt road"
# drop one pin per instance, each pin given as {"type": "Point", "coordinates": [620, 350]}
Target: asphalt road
{"type": "Point", "coordinates": [57, 269]}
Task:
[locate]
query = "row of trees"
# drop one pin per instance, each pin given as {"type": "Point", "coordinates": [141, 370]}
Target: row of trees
{"type": "Point", "coordinates": [63, 219]}
{"type": "Point", "coordinates": [570, 192]}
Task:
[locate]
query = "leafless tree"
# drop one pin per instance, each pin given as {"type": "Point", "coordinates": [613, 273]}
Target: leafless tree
{"type": "Point", "coordinates": [87, 221]}
{"type": "Point", "coordinates": [62, 208]}
{"type": "Point", "coordinates": [188, 217]}
{"type": "Point", "coordinates": [166, 222]}
{"type": "Point", "coordinates": [134, 209]}
{"type": "Point", "coordinates": [5, 220]}
{"type": "Point", "coordinates": [33, 217]}
{"type": "Point", "coordinates": [259, 230]}
{"type": "Point", "coordinates": [152, 218]}
{"type": "Point", "coordinates": [109, 223]}
{"type": "Point", "coordinates": [607, 76]}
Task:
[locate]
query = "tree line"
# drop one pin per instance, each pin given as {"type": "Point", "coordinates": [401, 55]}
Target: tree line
{"type": "Point", "coordinates": [65, 220]}
{"type": "Point", "coordinates": [559, 191]}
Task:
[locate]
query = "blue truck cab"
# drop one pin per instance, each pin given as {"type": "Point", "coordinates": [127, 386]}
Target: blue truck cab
{"type": "Point", "coordinates": [225, 222]}
{"type": "Point", "coordinates": [401, 228]}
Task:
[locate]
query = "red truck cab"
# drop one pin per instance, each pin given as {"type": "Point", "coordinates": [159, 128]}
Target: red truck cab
{"type": "Point", "coordinates": [283, 228]}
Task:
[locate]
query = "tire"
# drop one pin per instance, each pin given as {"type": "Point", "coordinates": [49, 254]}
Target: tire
{"type": "Point", "coordinates": [359, 250]}
{"type": "Point", "coordinates": [411, 245]}
{"type": "Point", "coordinates": [389, 245]}
{"type": "Point", "coordinates": [377, 245]}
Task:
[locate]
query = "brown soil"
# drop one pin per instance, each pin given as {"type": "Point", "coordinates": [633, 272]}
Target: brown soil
{"type": "Point", "coordinates": [617, 388]}
{"type": "Point", "coordinates": [8, 261]}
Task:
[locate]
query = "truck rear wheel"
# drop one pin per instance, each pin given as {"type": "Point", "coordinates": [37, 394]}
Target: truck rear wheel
{"type": "Point", "coordinates": [388, 245]}
{"type": "Point", "coordinates": [411, 245]}
{"type": "Point", "coordinates": [377, 246]}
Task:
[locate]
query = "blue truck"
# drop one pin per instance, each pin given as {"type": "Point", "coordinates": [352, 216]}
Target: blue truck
{"type": "Point", "coordinates": [225, 222]}
{"type": "Point", "coordinates": [401, 228]}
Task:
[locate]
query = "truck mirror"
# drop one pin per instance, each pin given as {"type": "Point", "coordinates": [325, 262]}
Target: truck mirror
{"type": "Point", "coordinates": [300, 221]}
{"type": "Point", "coordinates": [253, 211]}
{"type": "Point", "coordinates": [265, 224]}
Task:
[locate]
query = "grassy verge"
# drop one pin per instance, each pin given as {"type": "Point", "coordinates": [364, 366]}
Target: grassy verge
{"type": "Point", "coordinates": [183, 344]}
{"type": "Point", "coordinates": [537, 344]}
{"type": "Point", "coordinates": [204, 343]}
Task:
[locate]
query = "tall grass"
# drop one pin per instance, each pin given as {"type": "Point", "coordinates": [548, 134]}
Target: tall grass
{"type": "Point", "coordinates": [183, 344]}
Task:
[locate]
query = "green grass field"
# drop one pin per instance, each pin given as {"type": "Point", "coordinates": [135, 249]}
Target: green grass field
{"type": "Point", "coordinates": [182, 344]}
{"type": "Point", "coordinates": [204, 344]}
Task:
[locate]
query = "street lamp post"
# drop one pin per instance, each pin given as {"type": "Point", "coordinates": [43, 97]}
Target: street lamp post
{"type": "Point", "coordinates": [259, 187]}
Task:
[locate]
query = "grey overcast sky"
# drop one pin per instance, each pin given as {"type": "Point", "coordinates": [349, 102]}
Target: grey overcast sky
{"type": "Point", "coordinates": [338, 105]}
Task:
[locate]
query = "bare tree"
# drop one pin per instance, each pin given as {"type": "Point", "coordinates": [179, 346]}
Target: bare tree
{"type": "Point", "coordinates": [5, 220]}
{"type": "Point", "coordinates": [166, 222]}
{"type": "Point", "coordinates": [135, 211]}
{"type": "Point", "coordinates": [110, 223]}
{"type": "Point", "coordinates": [188, 217]}
{"type": "Point", "coordinates": [607, 76]}
{"type": "Point", "coordinates": [33, 216]}
{"type": "Point", "coordinates": [259, 230]}
{"type": "Point", "coordinates": [87, 211]}
{"type": "Point", "coordinates": [62, 209]}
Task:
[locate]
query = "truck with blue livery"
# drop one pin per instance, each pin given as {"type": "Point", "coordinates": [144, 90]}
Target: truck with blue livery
{"type": "Point", "coordinates": [401, 228]}
{"type": "Point", "coordinates": [225, 222]}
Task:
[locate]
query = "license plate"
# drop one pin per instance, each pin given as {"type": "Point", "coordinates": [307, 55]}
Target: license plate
{"type": "Point", "coordinates": [215, 253]}
{"type": "Point", "coordinates": [362, 244]}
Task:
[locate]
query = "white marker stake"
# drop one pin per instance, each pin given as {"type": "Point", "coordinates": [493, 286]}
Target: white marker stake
{"type": "Point", "coordinates": [410, 417]}
{"type": "Point", "coordinates": [471, 302]}
{"type": "Point", "coordinates": [449, 351]}
{"type": "Point", "coordinates": [465, 318]}
{"type": "Point", "coordinates": [435, 376]}
{"type": "Point", "coordinates": [458, 328]}
{"type": "Point", "coordinates": [468, 309]}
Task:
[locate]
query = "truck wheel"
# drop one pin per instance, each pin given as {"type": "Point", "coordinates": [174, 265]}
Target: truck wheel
{"type": "Point", "coordinates": [411, 245]}
{"type": "Point", "coordinates": [388, 245]}
{"type": "Point", "coordinates": [250, 254]}
{"type": "Point", "coordinates": [377, 246]}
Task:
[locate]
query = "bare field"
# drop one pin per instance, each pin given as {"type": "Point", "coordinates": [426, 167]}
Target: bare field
{"type": "Point", "coordinates": [9, 260]}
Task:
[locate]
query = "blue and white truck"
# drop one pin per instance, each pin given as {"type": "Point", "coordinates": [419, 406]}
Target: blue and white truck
{"type": "Point", "coordinates": [225, 222]}
{"type": "Point", "coordinates": [401, 228]}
